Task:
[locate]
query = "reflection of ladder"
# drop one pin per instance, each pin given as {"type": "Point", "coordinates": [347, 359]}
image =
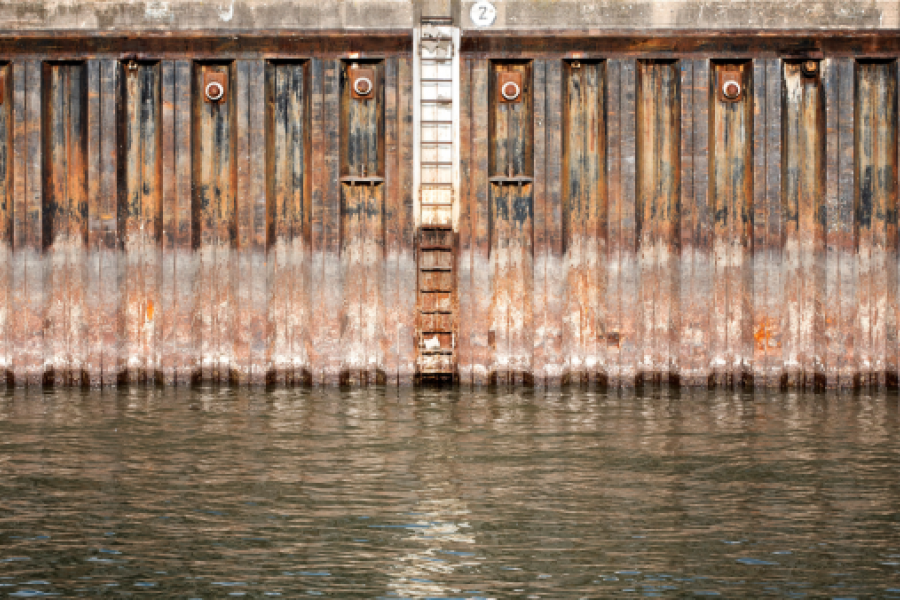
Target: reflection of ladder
{"type": "Point", "coordinates": [436, 261]}
{"type": "Point", "coordinates": [437, 347]}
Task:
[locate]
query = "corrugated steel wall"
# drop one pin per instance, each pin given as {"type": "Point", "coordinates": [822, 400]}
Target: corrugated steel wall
{"type": "Point", "coordinates": [681, 238]}
{"type": "Point", "coordinates": [150, 235]}
{"type": "Point", "coordinates": [620, 222]}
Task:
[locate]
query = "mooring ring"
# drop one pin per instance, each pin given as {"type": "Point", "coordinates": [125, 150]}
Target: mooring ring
{"type": "Point", "coordinates": [514, 94]}
{"type": "Point", "coordinates": [810, 68]}
{"type": "Point", "coordinates": [215, 91]}
{"type": "Point", "coordinates": [366, 85]}
{"type": "Point", "coordinates": [731, 89]}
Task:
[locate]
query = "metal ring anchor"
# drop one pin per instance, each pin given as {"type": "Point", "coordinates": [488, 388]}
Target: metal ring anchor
{"type": "Point", "coordinates": [214, 91]}
{"type": "Point", "coordinates": [731, 89]}
{"type": "Point", "coordinates": [810, 68]}
{"type": "Point", "coordinates": [365, 83]}
{"type": "Point", "coordinates": [510, 95]}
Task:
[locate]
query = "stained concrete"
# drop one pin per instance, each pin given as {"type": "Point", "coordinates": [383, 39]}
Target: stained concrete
{"type": "Point", "coordinates": [512, 15]}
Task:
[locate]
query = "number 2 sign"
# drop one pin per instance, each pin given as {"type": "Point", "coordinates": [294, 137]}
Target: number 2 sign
{"type": "Point", "coordinates": [483, 13]}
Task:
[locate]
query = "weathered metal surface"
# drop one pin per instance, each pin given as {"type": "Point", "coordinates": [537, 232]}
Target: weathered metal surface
{"type": "Point", "coordinates": [658, 215]}
{"type": "Point", "coordinates": [731, 191]}
{"type": "Point", "coordinates": [287, 222]}
{"type": "Point", "coordinates": [140, 218]}
{"type": "Point", "coordinates": [803, 215]}
{"type": "Point", "coordinates": [876, 205]}
{"type": "Point", "coordinates": [6, 230]}
{"type": "Point", "coordinates": [362, 222]}
{"type": "Point", "coordinates": [64, 220]}
{"type": "Point", "coordinates": [510, 225]}
{"type": "Point", "coordinates": [750, 242]}
{"type": "Point", "coordinates": [619, 222]}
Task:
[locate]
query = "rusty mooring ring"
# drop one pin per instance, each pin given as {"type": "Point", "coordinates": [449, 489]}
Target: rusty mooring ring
{"type": "Point", "coordinates": [731, 89]}
{"type": "Point", "coordinates": [515, 93]}
{"type": "Point", "coordinates": [810, 68]}
{"type": "Point", "coordinates": [214, 91]}
{"type": "Point", "coordinates": [366, 82]}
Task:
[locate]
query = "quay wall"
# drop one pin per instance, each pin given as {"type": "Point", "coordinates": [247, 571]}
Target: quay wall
{"type": "Point", "coordinates": [622, 220]}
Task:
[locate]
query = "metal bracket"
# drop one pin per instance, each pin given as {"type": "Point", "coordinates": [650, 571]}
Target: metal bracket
{"type": "Point", "coordinates": [511, 180]}
{"type": "Point", "coordinates": [362, 180]}
{"type": "Point", "coordinates": [362, 82]}
{"type": "Point", "coordinates": [510, 87]}
{"type": "Point", "coordinates": [731, 86]}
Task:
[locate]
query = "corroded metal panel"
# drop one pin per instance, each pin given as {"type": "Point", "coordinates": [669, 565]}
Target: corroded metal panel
{"type": "Point", "coordinates": [769, 226]}
{"type": "Point", "coordinates": [64, 219]}
{"type": "Point", "coordinates": [693, 264]}
{"type": "Point", "coordinates": [731, 188]}
{"type": "Point", "coordinates": [28, 288]}
{"type": "Point", "coordinates": [584, 220]}
{"type": "Point", "coordinates": [251, 315]}
{"type": "Point", "coordinates": [140, 218]}
{"type": "Point", "coordinates": [621, 220]}
{"type": "Point", "coordinates": [658, 215]}
{"type": "Point", "coordinates": [362, 163]}
{"type": "Point", "coordinates": [180, 260]}
{"type": "Point", "coordinates": [287, 222]}
{"type": "Point", "coordinates": [804, 218]}
{"type": "Point", "coordinates": [213, 215]}
{"type": "Point", "coordinates": [403, 204]}
{"type": "Point", "coordinates": [622, 341]}
{"type": "Point", "coordinates": [511, 226]}
{"type": "Point", "coordinates": [480, 289]}
{"type": "Point", "coordinates": [7, 347]}
{"type": "Point", "coordinates": [325, 349]}
{"type": "Point", "coordinates": [876, 210]}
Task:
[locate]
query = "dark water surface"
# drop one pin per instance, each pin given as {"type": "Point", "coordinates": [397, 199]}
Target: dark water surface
{"type": "Point", "coordinates": [448, 494]}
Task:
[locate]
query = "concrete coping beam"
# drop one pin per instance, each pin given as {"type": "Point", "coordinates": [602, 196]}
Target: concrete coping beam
{"type": "Point", "coordinates": [19, 17]}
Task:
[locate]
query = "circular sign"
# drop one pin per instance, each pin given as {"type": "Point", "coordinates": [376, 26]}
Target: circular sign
{"type": "Point", "coordinates": [483, 13]}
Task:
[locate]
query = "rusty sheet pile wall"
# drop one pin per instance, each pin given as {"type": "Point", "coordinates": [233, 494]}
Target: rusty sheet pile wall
{"type": "Point", "coordinates": [240, 214]}
{"type": "Point", "coordinates": [153, 232]}
{"type": "Point", "coordinates": [679, 228]}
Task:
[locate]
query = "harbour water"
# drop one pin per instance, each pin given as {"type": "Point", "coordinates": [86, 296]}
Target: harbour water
{"type": "Point", "coordinates": [379, 493]}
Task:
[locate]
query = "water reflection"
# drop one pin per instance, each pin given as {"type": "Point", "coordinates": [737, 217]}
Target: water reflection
{"type": "Point", "coordinates": [447, 494]}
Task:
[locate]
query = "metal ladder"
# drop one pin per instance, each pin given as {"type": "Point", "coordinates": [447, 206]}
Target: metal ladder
{"type": "Point", "coordinates": [436, 259]}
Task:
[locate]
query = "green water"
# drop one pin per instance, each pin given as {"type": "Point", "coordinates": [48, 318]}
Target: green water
{"type": "Point", "coordinates": [214, 493]}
